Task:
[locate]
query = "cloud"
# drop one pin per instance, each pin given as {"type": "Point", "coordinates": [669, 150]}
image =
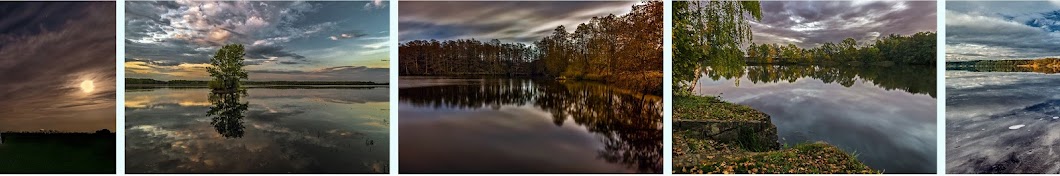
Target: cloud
{"type": "Point", "coordinates": [1002, 30]}
{"type": "Point", "coordinates": [507, 21]}
{"type": "Point", "coordinates": [812, 23]}
{"type": "Point", "coordinates": [162, 30]}
{"type": "Point", "coordinates": [348, 35]}
{"type": "Point", "coordinates": [375, 4]}
{"type": "Point", "coordinates": [339, 73]}
{"type": "Point", "coordinates": [49, 48]}
{"type": "Point", "coordinates": [163, 36]}
{"type": "Point", "coordinates": [379, 45]}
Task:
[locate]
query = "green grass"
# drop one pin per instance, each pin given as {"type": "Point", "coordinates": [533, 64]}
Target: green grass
{"type": "Point", "coordinates": [84, 156]}
{"type": "Point", "coordinates": [713, 108]}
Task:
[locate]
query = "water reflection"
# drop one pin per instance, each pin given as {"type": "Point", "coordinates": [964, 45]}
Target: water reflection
{"type": "Point", "coordinates": [226, 114]}
{"type": "Point", "coordinates": [885, 115]}
{"type": "Point", "coordinates": [1046, 70]}
{"type": "Point", "coordinates": [912, 79]}
{"type": "Point", "coordinates": [1002, 122]}
{"type": "Point", "coordinates": [625, 127]}
{"type": "Point", "coordinates": [260, 131]}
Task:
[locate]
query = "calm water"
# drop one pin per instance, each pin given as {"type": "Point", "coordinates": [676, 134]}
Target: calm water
{"type": "Point", "coordinates": [527, 126]}
{"type": "Point", "coordinates": [263, 131]}
{"type": "Point", "coordinates": [1002, 122]}
{"type": "Point", "coordinates": [884, 115]}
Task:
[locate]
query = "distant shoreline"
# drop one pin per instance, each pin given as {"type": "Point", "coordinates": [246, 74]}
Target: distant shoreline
{"type": "Point", "coordinates": [195, 83]}
{"type": "Point", "coordinates": [190, 86]}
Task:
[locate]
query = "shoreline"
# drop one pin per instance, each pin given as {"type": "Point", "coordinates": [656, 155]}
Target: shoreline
{"type": "Point", "coordinates": [714, 136]}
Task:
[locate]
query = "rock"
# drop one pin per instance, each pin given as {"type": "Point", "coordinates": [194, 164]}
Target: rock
{"type": "Point", "coordinates": [755, 136]}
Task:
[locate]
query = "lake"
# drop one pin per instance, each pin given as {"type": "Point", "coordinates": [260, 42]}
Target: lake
{"type": "Point", "coordinates": [498, 125]}
{"type": "Point", "coordinates": [264, 130]}
{"type": "Point", "coordinates": [885, 115]}
{"type": "Point", "coordinates": [1002, 122]}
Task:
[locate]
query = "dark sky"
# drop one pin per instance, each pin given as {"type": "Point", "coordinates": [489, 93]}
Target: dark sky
{"type": "Point", "coordinates": [48, 53]}
{"type": "Point", "coordinates": [285, 40]}
{"type": "Point", "coordinates": [509, 21]}
{"type": "Point", "coordinates": [1002, 30]}
{"type": "Point", "coordinates": [810, 23]}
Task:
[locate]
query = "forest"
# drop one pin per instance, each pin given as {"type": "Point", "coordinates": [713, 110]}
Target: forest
{"type": "Point", "coordinates": [916, 49]}
{"type": "Point", "coordinates": [624, 49]}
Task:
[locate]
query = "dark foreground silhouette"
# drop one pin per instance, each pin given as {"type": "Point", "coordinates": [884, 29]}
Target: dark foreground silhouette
{"type": "Point", "coordinates": [57, 152]}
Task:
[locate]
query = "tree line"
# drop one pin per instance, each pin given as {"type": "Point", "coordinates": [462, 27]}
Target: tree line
{"type": "Point", "coordinates": [1043, 65]}
{"type": "Point", "coordinates": [1043, 62]}
{"type": "Point", "coordinates": [916, 49]}
{"type": "Point", "coordinates": [623, 49]}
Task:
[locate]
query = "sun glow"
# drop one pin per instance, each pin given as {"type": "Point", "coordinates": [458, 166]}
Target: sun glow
{"type": "Point", "coordinates": [86, 86]}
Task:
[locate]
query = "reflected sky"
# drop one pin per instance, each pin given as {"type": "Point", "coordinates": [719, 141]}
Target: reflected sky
{"type": "Point", "coordinates": [890, 130]}
{"type": "Point", "coordinates": [980, 109]}
{"type": "Point", "coordinates": [527, 126]}
{"type": "Point", "coordinates": [286, 131]}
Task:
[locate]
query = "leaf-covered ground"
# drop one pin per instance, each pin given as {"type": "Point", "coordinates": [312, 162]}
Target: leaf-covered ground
{"type": "Point", "coordinates": [693, 154]}
{"type": "Point", "coordinates": [699, 156]}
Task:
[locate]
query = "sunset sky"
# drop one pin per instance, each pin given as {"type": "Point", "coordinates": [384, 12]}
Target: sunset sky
{"type": "Point", "coordinates": [57, 66]}
{"type": "Point", "coordinates": [300, 41]}
{"type": "Point", "coordinates": [522, 22]}
{"type": "Point", "coordinates": [809, 24]}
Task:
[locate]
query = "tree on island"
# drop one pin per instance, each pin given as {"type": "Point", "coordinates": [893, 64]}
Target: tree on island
{"type": "Point", "coordinates": [227, 68]}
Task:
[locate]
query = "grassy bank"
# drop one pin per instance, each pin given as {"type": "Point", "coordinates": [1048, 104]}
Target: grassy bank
{"type": "Point", "coordinates": [714, 136]}
{"type": "Point", "coordinates": [712, 108]}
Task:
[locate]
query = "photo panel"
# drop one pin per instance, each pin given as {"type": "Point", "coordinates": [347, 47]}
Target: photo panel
{"type": "Point", "coordinates": [804, 87]}
{"type": "Point", "coordinates": [257, 87]}
{"type": "Point", "coordinates": [530, 87]}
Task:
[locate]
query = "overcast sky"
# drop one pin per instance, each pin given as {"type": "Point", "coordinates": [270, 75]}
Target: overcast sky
{"type": "Point", "coordinates": [1002, 30]}
{"type": "Point", "coordinates": [809, 24]}
{"type": "Point", "coordinates": [47, 51]}
{"type": "Point", "coordinates": [328, 41]}
{"type": "Point", "coordinates": [522, 22]}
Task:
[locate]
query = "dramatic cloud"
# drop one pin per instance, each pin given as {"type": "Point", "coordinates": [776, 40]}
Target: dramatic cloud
{"type": "Point", "coordinates": [506, 21]}
{"type": "Point", "coordinates": [810, 23]}
{"type": "Point", "coordinates": [49, 52]}
{"type": "Point", "coordinates": [1002, 30]}
{"type": "Point", "coordinates": [349, 72]}
{"type": "Point", "coordinates": [172, 40]}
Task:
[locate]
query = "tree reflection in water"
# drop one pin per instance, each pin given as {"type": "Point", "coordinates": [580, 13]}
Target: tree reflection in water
{"type": "Point", "coordinates": [629, 122]}
{"type": "Point", "coordinates": [1007, 68]}
{"type": "Point", "coordinates": [227, 112]}
{"type": "Point", "coordinates": [908, 78]}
